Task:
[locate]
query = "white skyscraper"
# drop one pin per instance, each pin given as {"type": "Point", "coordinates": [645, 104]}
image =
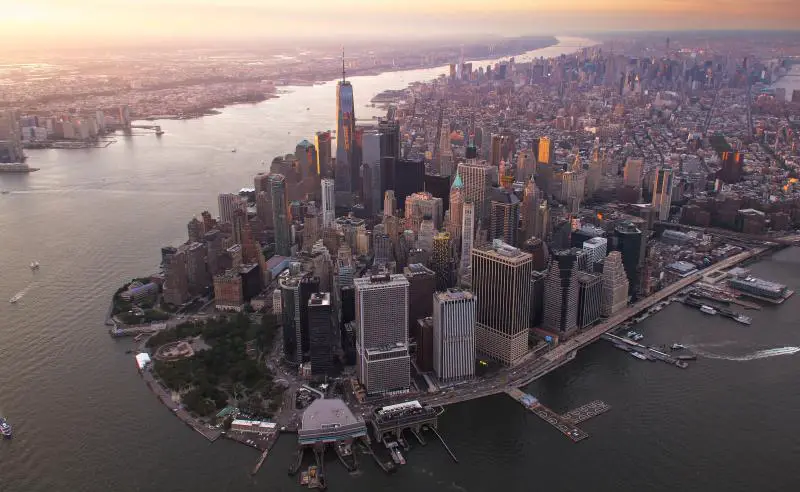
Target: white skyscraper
{"type": "Point", "coordinates": [328, 203]}
{"type": "Point", "coordinates": [382, 345]}
{"type": "Point", "coordinates": [595, 248]}
{"type": "Point", "coordinates": [454, 335]}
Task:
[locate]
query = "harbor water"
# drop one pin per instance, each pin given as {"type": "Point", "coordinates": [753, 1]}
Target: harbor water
{"type": "Point", "coordinates": [85, 421]}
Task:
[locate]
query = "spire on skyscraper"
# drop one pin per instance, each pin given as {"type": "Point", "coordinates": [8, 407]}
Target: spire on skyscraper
{"type": "Point", "coordinates": [457, 182]}
{"type": "Point", "coordinates": [343, 71]}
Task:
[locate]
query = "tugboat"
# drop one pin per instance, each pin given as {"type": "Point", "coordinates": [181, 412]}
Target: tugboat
{"type": "Point", "coordinates": [5, 428]}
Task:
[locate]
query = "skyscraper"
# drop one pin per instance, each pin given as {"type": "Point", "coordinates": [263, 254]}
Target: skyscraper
{"type": "Point", "coordinates": [504, 219]}
{"type": "Point", "coordinates": [324, 167]}
{"type": "Point", "coordinates": [280, 215]}
{"type": "Point", "coordinates": [389, 203]}
{"type": "Point", "coordinates": [545, 151]}
{"type": "Point", "coordinates": [477, 180]}
{"type": "Point", "coordinates": [595, 250]}
{"type": "Point", "coordinates": [382, 345]}
{"type": "Point", "coordinates": [345, 140]}
{"type": "Point", "coordinates": [633, 173]}
{"type": "Point", "coordinates": [454, 224]}
{"type": "Point", "coordinates": [526, 166]}
{"type": "Point", "coordinates": [442, 261]}
{"type": "Point", "coordinates": [371, 171]}
{"type": "Point", "coordinates": [10, 137]}
{"type": "Point", "coordinates": [499, 145]}
{"type": "Point", "coordinates": [420, 205]}
{"type": "Point", "coordinates": [306, 155]}
{"type": "Point", "coordinates": [390, 151]}
{"type": "Point", "coordinates": [467, 235]}
{"type": "Point", "coordinates": [409, 177]}
{"type": "Point", "coordinates": [328, 202]}
{"type": "Point", "coordinates": [662, 193]}
{"type": "Point", "coordinates": [176, 278]}
{"type": "Point", "coordinates": [454, 335]}
{"type": "Point", "coordinates": [501, 281]}
{"type": "Point", "coordinates": [590, 298]}
{"type": "Point", "coordinates": [561, 294]}
{"type": "Point", "coordinates": [615, 284]}
{"type": "Point", "coordinates": [632, 244]}
{"type": "Point", "coordinates": [421, 286]}
{"type": "Point", "coordinates": [321, 337]}
{"type": "Point", "coordinates": [228, 203]}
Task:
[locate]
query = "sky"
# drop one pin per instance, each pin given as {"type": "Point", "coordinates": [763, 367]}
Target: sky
{"type": "Point", "coordinates": [93, 22]}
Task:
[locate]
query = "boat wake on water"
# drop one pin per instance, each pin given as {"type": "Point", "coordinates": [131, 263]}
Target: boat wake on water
{"type": "Point", "coordinates": [761, 354]}
{"type": "Point", "coordinates": [19, 295]}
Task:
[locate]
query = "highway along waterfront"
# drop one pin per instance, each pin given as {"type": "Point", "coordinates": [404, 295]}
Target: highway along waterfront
{"type": "Point", "coordinates": [84, 420]}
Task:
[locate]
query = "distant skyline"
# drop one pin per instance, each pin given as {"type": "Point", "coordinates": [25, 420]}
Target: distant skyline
{"type": "Point", "coordinates": [66, 23]}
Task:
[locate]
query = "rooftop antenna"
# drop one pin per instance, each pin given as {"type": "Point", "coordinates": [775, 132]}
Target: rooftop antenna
{"type": "Point", "coordinates": [343, 73]}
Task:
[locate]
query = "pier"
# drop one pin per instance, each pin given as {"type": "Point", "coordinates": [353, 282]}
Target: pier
{"type": "Point", "coordinates": [271, 440]}
{"type": "Point", "coordinates": [446, 447]}
{"type": "Point", "coordinates": [649, 352]}
{"type": "Point", "coordinates": [566, 423]}
{"type": "Point", "coordinates": [387, 466]}
{"type": "Point", "coordinates": [585, 412]}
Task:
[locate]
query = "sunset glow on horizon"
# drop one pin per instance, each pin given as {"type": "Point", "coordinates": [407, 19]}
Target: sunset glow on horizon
{"type": "Point", "coordinates": [82, 22]}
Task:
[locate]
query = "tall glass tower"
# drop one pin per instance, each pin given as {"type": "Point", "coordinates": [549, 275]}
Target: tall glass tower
{"type": "Point", "coordinates": [345, 140]}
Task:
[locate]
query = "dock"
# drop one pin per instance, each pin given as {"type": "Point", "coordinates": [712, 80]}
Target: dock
{"type": "Point", "coordinates": [387, 467]}
{"type": "Point", "coordinates": [585, 412]}
{"type": "Point", "coordinates": [566, 423]}
{"type": "Point", "coordinates": [649, 352]}
{"type": "Point", "coordinates": [446, 447]}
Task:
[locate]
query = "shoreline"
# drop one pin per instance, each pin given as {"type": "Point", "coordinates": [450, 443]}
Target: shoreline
{"type": "Point", "coordinates": [321, 79]}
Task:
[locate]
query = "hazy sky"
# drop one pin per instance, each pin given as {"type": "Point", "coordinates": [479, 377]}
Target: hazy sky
{"type": "Point", "coordinates": [87, 22]}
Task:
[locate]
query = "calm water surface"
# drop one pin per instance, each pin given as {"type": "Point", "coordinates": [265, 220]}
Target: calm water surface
{"type": "Point", "coordinates": [84, 421]}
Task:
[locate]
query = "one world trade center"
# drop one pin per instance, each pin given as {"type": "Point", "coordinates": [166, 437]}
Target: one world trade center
{"type": "Point", "coordinates": [345, 140]}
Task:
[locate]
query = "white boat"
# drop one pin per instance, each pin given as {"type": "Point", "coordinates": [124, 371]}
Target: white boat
{"type": "Point", "coordinates": [34, 265]}
{"type": "Point", "coordinates": [638, 355]}
{"type": "Point", "coordinates": [707, 310]}
{"type": "Point", "coordinates": [15, 298]}
{"type": "Point", "coordinates": [677, 346]}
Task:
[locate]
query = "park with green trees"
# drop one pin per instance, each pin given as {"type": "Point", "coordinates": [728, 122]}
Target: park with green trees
{"type": "Point", "coordinates": [223, 374]}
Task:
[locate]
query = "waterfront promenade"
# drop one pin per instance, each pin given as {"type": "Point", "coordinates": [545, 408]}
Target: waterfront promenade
{"type": "Point", "coordinates": [532, 368]}
{"type": "Point", "coordinates": [166, 398]}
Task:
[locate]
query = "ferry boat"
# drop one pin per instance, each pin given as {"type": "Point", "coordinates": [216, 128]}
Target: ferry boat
{"type": "Point", "coordinates": [707, 310]}
{"type": "Point", "coordinates": [639, 355]}
{"type": "Point", "coordinates": [5, 428]}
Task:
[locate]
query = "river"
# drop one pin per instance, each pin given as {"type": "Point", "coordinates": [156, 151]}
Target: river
{"type": "Point", "coordinates": [84, 420]}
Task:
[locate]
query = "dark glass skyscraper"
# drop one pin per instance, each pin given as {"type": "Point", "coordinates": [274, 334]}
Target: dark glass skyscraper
{"type": "Point", "coordinates": [345, 141]}
{"type": "Point", "coordinates": [280, 214]}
